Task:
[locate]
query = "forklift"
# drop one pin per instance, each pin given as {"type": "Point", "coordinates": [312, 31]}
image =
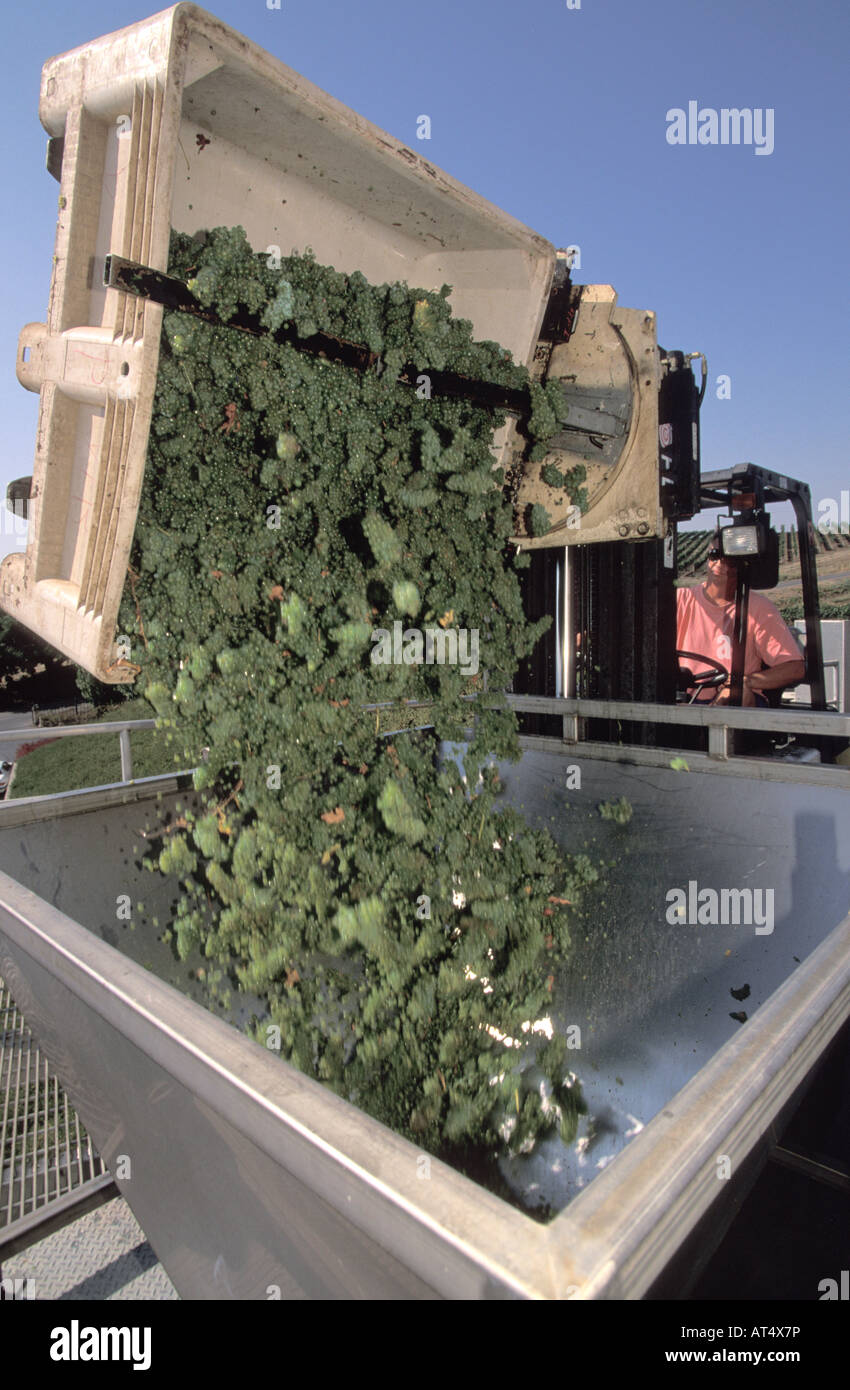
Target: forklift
{"type": "Point", "coordinates": [613, 603]}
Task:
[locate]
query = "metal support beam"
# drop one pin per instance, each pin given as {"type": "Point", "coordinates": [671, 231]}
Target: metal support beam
{"type": "Point", "coordinates": [830, 1174]}
{"type": "Point", "coordinates": [718, 742]}
{"type": "Point", "coordinates": [142, 280]}
{"type": "Point", "coordinates": [42, 1222]}
{"type": "Point", "coordinates": [126, 756]}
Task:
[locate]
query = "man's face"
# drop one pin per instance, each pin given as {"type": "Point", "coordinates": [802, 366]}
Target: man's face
{"type": "Point", "coordinates": [722, 572]}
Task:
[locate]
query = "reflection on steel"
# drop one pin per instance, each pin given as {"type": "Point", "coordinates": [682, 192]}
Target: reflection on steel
{"type": "Point", "coordinates": [249, 1176]}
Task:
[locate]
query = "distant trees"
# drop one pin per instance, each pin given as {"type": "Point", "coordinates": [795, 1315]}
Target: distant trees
{"type": "Point", "coordinates": [21, 651]}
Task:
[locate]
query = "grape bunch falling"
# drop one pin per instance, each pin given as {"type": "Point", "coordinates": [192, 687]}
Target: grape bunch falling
{"type": "Point", "coordinates": [399, 922]}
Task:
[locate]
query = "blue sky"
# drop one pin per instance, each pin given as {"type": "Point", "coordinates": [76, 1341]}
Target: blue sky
{"type": "Point", "coordinates": [558, 115]}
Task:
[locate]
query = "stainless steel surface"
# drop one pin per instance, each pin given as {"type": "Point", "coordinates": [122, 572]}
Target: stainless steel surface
{"type": "Point", "coordinates": [653, 998]}
{"type": "Point", "coordinates": [246, 1175]}
{"type": "Point", "coordinates": [719, 721]}
{"type": "Point", "coordinates": [835, 635]}
{"type": "Point", "coordinates": [35, 810]}
{"type": "Point", "coordinates": [639, 1210]}
{"type": "Point", "coordinates": [86, 860]}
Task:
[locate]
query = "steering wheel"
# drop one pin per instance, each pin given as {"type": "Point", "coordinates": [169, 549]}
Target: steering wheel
{"type": "Point", "coordinates": [706, 679]}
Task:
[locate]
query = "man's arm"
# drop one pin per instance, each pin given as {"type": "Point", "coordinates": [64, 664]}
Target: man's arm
{"type": "Point", "coordinates": [778, 648]}
{"type": "Point", "coordinates": [785, 673]}
{"type": "Point", "coordinates": [774, 677]}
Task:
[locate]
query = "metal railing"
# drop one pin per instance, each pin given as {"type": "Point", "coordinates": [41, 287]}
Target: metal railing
{"type": "Point", "coordinates": [49, 1171]}
{"type": "Point", "coordinates": [720, 721]}
{"type": "Point", "coordinates": [121, 727]}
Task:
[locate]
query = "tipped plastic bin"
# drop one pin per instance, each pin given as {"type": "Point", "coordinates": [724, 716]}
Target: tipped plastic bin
{"type": "Point", "coordinates": [180, 122]}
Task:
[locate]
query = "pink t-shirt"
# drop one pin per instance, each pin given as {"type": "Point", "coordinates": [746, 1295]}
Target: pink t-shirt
{"type": "Point", "coordinates": [706, 628]}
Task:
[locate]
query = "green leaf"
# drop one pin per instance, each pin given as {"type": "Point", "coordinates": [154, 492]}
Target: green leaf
{"type": "Point", "coordinates": [398, 814]}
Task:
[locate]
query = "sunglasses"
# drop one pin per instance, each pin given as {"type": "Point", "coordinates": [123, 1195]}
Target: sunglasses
{"type": "Point", "coordinates": [715, 554]}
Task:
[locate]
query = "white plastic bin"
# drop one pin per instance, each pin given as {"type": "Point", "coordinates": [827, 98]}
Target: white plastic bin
{"type": "Point", "coordinates": [180, 122]}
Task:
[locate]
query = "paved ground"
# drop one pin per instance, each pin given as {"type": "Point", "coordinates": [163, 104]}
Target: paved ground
{"type": "Point", "coordinates": [102, 1256]}
{"type": "Point", "coordinates": [14, 720]}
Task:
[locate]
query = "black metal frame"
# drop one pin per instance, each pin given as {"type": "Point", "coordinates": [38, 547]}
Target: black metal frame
{"type": "Point", "coordinates": [133, 278]}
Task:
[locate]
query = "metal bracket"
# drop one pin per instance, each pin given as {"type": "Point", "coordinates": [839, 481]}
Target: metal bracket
{"type": "Point", "coordinates": [133, 278]}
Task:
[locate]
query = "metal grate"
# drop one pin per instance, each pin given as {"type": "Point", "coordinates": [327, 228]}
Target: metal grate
{"type": "Point", "coordinates": [48, 1165]}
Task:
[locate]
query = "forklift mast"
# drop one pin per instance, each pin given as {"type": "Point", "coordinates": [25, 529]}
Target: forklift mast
{"type": "Point", "coordinates": [613, 602]}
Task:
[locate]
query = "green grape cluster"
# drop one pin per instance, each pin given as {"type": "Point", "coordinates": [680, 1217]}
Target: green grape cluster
{"type": "Point", "coordinates": [396, 918]}
{"type": "Point", "coordinates": [570, 479]}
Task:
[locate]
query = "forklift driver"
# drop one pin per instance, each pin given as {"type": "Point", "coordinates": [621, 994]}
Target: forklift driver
{"type": "Point", "coordinates": [705, 626]}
